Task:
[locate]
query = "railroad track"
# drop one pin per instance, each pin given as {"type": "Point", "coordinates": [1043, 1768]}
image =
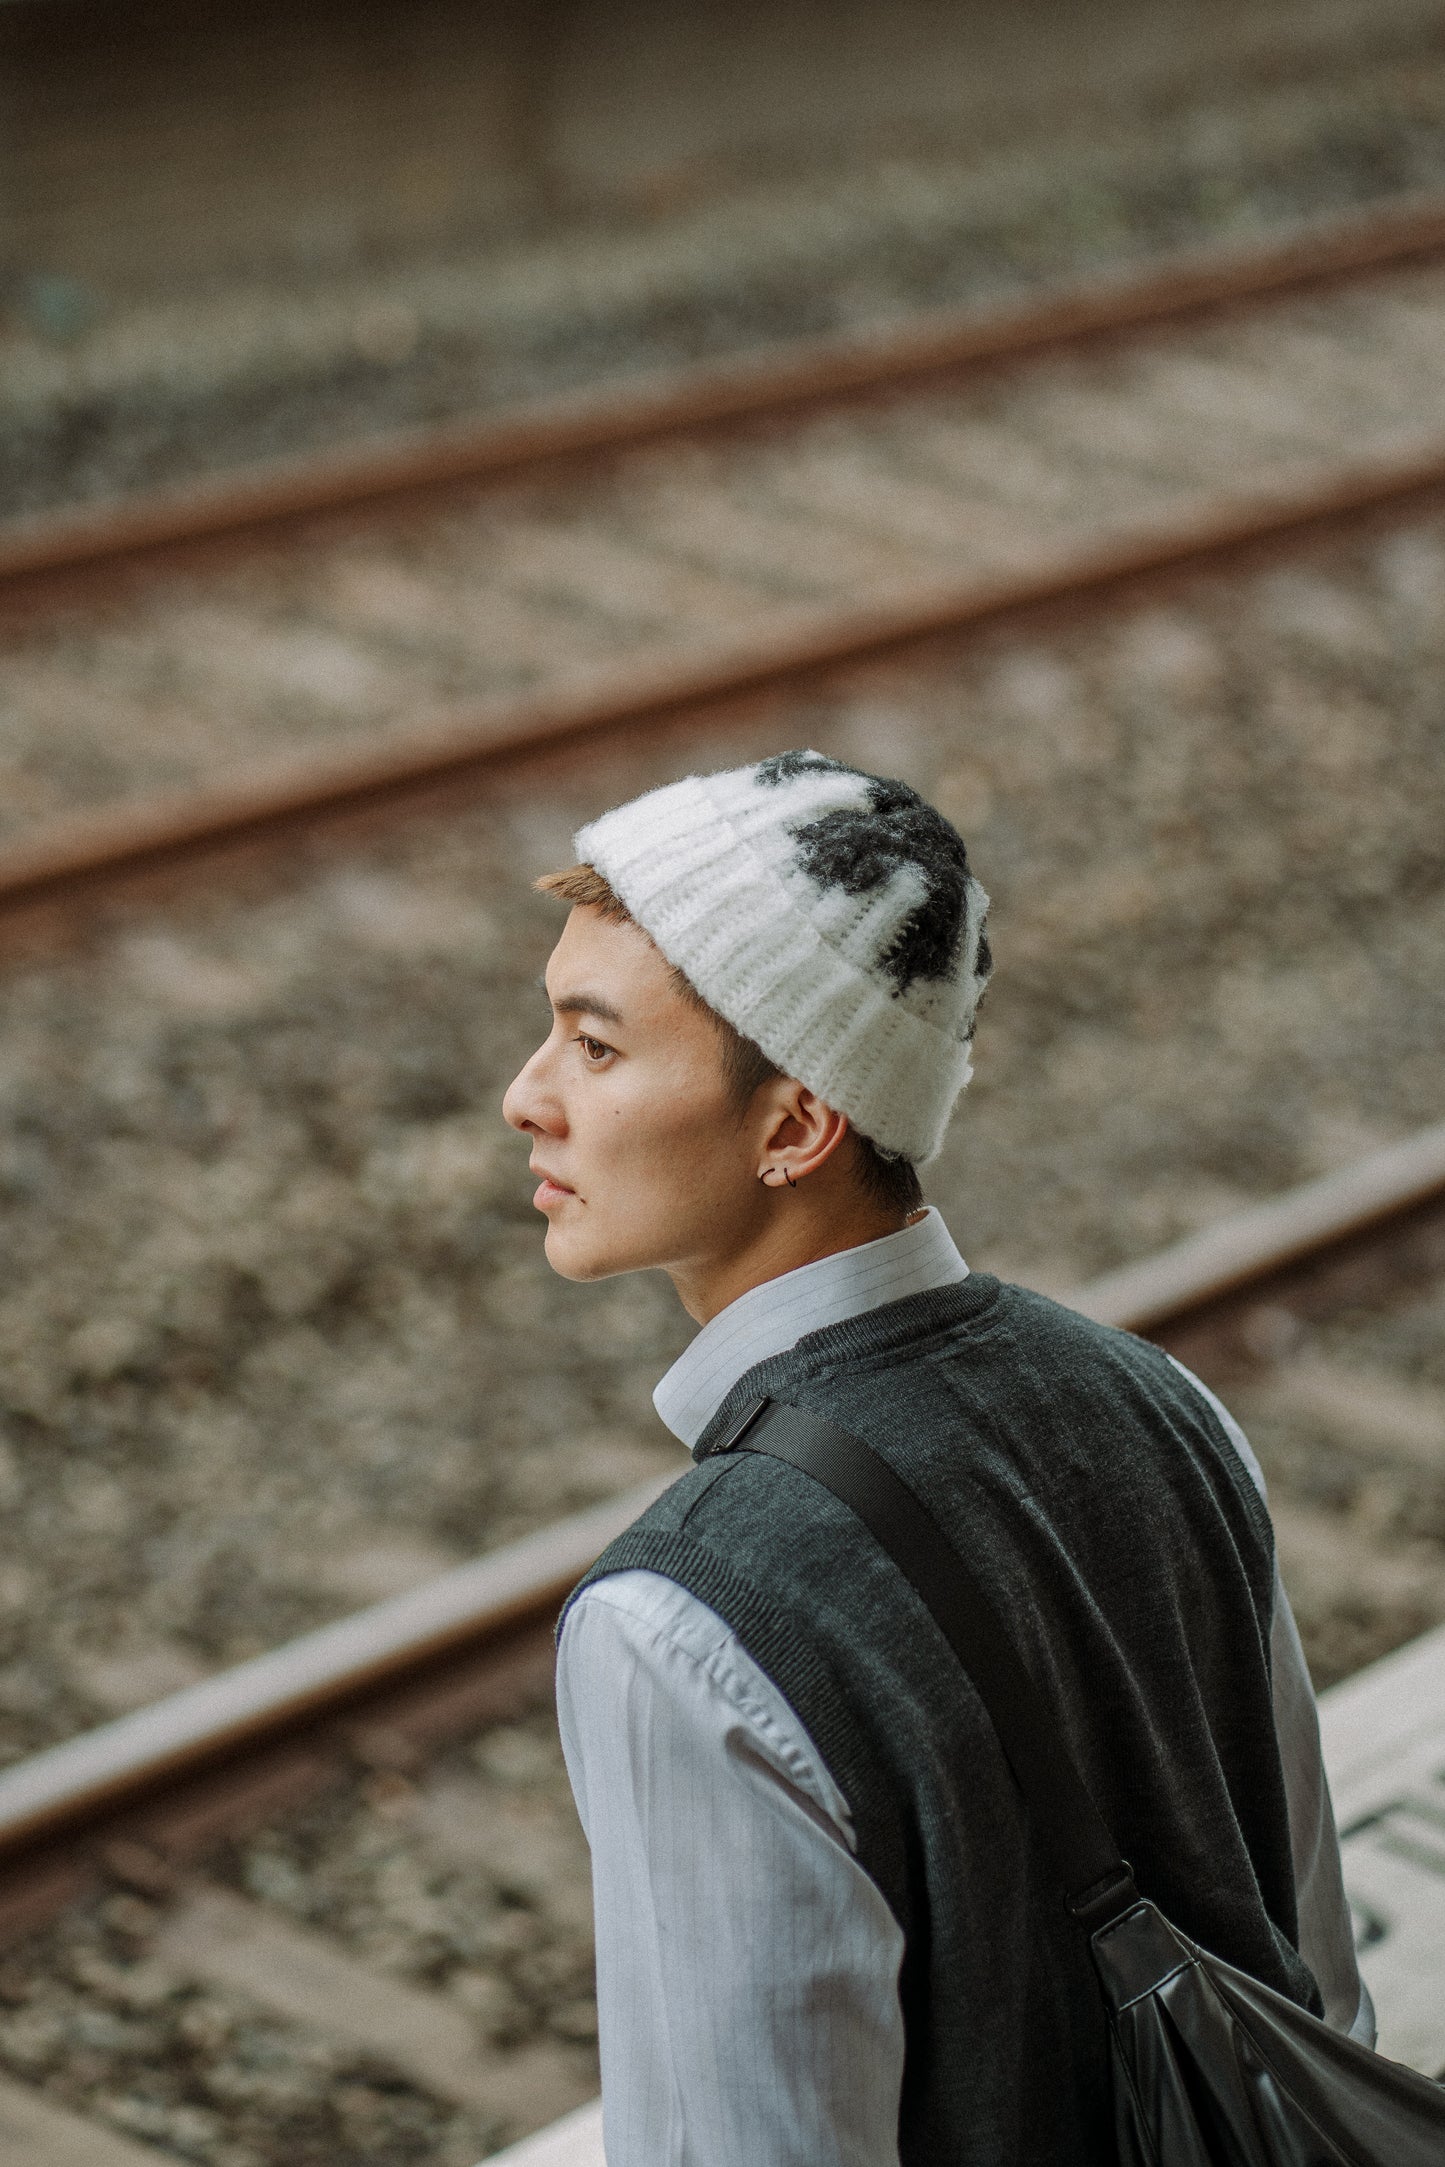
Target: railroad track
{"type": "Point", "coordinates": [186, 675]}
{"type": "Point", "coordinates": [143, 1802]}
{"type": "Point", "coordinates": [688, 403]}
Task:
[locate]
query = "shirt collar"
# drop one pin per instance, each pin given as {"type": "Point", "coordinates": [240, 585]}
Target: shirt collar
{"type": "Point", "coordinates": [770, 1318]}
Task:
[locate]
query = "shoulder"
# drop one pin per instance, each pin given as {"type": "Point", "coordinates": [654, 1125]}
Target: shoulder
{"type": "Point", "coordinates": [641, 1638]}
{"type": "Point", "coordinates": [1230, 1427]}
{"type": "Point", "coordinates": [642, 1610]}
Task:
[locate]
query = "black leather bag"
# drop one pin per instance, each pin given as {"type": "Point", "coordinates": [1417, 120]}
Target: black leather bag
{"type": "Point", "coordinates": [1210, 2068]}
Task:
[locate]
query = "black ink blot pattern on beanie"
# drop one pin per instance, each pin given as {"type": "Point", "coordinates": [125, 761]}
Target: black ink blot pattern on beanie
{"type": "Point", "coordinates": [860, 850]}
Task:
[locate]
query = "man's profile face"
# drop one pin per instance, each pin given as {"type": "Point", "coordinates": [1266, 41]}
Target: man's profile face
{"type": "Point", "coordinates": [641, 1156]}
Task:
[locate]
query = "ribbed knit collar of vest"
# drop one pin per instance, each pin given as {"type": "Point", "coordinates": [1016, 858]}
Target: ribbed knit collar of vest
{"type": "Point", "coordinates": [769, 1319]}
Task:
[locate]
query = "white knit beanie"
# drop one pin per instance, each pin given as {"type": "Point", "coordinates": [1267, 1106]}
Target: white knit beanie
{"type": "Point", "coordinates": [828, 915]}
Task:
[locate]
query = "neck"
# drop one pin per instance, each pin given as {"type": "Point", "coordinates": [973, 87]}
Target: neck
{"type": "Point", "coordinates": [794, 1234]}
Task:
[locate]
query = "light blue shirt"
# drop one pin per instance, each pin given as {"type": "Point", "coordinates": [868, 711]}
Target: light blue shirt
{"type": "Point", "coordinates": [747, 1967]}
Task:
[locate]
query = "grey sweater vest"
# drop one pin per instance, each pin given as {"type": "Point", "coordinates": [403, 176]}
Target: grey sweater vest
{"type": "Point", "coordinates": [1126, 1549]}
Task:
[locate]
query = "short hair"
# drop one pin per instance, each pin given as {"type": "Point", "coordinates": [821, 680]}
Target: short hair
{"type": "Point", "coordinates": [889, 1182]}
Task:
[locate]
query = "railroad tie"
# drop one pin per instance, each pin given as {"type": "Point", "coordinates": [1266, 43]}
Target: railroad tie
{"type": "Point", "coordinates": [1397, 1422]}
{"type": "Point", "coordinates": [35, 2132]}
{"type": "Point", "coordinates": [220, 1939]}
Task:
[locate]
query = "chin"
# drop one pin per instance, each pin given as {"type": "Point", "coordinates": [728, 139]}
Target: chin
{"type": "Point", "coordinates": [591, 1250]}
{"type": "Point", "coordinates": [571, 1258]}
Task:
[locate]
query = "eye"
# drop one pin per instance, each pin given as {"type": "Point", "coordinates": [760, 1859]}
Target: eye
{"type": "Point", "coordinates": [593, 1049]}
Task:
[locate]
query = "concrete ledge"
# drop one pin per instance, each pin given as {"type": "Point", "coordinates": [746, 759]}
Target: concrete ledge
{"type": "Point", "coordinates": [575, 2141]}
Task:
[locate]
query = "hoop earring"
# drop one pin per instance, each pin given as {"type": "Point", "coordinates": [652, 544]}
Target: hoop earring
{"type": "Point", "coordinates": [778, 1170]}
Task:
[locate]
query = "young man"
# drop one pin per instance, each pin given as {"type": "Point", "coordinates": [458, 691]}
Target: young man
{"type": "Point", "coordinates": [824, 1938]}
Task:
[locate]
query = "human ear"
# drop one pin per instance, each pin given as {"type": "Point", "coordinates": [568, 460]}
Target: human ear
{"type": "Point", "coordinates": [803, 1136]}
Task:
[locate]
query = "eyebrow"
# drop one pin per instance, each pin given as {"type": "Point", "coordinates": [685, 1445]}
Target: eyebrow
{"type": "Point", "coordinates": [586, 1004]}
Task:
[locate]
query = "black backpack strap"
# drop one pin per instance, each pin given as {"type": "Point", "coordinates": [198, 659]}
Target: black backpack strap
{"type": "Point", "coordinates": [1097, 1882]}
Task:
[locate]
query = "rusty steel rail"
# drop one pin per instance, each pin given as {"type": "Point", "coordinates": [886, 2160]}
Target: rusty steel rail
{"type": "Point", "coordinates": [1238, 1252]}
{"type": "Point", "coordinates": [755, 388]}
{"type": "Point", "coordinates": [307, 1677]}
{"type": "Point", "coordinates": [60, 1790]}
{"type": "Point", "coordinates": [68, 858]}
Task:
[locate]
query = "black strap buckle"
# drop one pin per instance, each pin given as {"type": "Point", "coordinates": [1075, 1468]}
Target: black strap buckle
{"type": "Point", "coordinates": [1106, 1900]}
{"type": "Point", "coordinates": [740, 1428]}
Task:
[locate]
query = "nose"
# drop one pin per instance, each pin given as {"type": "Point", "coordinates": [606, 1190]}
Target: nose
{"type": "Point", "coordinates": [528, 1105]}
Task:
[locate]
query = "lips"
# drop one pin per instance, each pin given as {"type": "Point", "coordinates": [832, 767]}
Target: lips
{"type": "Point", "coordinates": [549, 1189]}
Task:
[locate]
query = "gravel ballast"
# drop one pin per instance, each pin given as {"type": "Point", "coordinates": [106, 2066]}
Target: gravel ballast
{"type": "Point", "coordinates": [470, 1883]}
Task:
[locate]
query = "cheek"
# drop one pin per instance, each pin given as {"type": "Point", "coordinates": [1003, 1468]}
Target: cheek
{"type": "Point", "coordinates": [698, 1157]}
{"type": "Point", "coordinates": [666, 1142]}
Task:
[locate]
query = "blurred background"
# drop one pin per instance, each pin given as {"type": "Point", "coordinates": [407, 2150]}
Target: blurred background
{"type": "Point", "coordinates": [227, 233]}
{"type": "Point", "coordinates": [277, 1339]}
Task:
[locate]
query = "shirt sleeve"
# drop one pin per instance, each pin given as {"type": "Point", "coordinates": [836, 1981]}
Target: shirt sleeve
{"type": "Point", "coordinates": [1327, 1941]}
{"type": "Point", "coordinates": [747, 1967]}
